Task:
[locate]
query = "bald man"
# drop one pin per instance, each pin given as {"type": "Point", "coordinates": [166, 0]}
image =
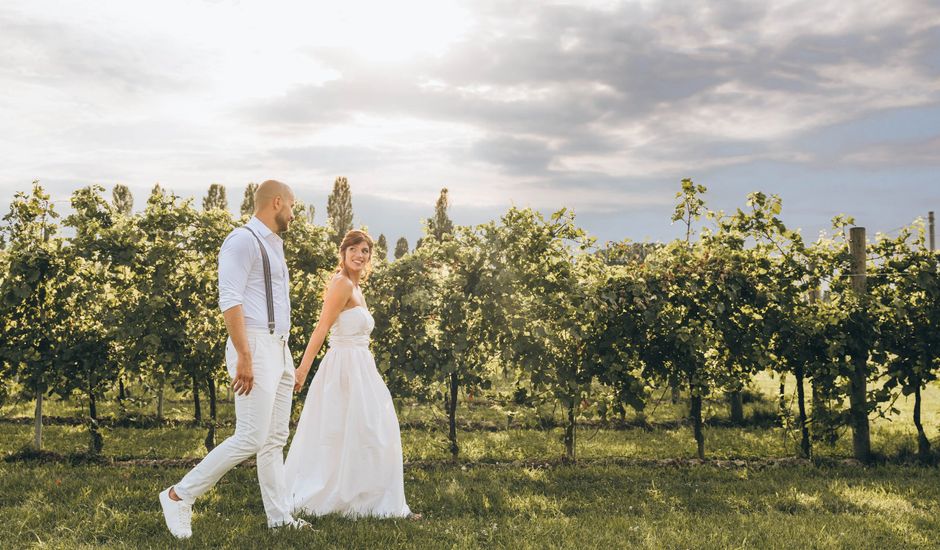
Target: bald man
{"type": "Point", "coordinates": [257, 316]}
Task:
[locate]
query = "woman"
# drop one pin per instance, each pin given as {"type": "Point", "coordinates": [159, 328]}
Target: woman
{"type": "Point", "coordinates": [346, 454]}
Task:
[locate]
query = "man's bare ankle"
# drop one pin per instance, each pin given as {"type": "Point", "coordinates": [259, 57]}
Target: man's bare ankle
{"type": "Point", "coordinates": [173, 495]}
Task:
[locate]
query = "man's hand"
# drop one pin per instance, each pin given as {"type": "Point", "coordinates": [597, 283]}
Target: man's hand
{"type": "Point", "coordinates": [244, 377]}
{"type": "Point", "coordinates": [235, 323]}
{"type": "Point", "coordinates": [300, 376]}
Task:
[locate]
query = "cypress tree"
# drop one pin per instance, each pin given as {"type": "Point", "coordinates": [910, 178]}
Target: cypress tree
{"type": "Point", "coordinates": [381, 248]}
{"type": "Point", "coordinates": [339, 209]}
{"type": "Point", "coordinates": [248, 203]}
{"type": "Point", "coordinates": [401, 247]}
{"type": "Point", "coordinates": [122, 199]}
{"type": "Point", "coordinates": [215, 198]}
{"type": "Point", "coordinates": [441, 224]}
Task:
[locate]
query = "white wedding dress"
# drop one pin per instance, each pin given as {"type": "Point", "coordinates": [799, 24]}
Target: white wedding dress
{"type": "Point", "coordinates": [346, 453]}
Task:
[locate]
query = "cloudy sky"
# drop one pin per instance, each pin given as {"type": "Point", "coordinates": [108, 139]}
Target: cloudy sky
{"type": "Point", "coordinates": [601, 106]}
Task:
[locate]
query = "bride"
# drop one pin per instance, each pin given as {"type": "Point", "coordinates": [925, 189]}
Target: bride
{"type": "Point", "coordinates": [346, 453]}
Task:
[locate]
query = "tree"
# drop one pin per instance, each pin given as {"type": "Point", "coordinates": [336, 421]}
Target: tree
{"type": "Point", "coordinates": [248, 202]}
{"type": "Point", "coordinates": [32, 297]}
{"type": "Point", "coordinates": [462, 339]}
{"type": "Point", "coordinates": [624, 341]}
{"type": "Point", "coordinates": [680, 348]}
{"type": "Point", "coordinates": [339, 209]}
{"type": "Point", "coordinates": [157, 337]}
{"type": "Point", "coordinates": [122, 199]}
{"type": "Point", "coordinates": [691, 289]}
{"type": "Point", "coordinates": [691, 334]}
{"type": "Point", "coordinates": [5, 375]}
{"type": "Point", "coordinates": [690, 208]}
{"type": "Point", "coordinates": [381, 248]}
{"type": "Point", "coordinates": [401, 247]}
{"type": "Point", "coordinates": [906, 298]}
{"type": "Point", "coordinates": [6, 369]}
{"type": "Point", "coordinates": [94, 253]}
{"type": "Point", "coordinates": [124, 242]}
{"type": "Point", "coordinates": [441, 224]}
{"type": "Point", "coordinates": [547, 294]}
{"type": "Point", "coordinates": [215, 198]}
{"type": "Point", "coordinates": [401, 298]}
{"type": "Point", "coordinates": [810, 338]}
{"type": "Point", "coordinates": [438, 227]}
{"type": "Point", "coordinates": [777, 321]}
{"type": "Point", "coordinates": [462, 278]}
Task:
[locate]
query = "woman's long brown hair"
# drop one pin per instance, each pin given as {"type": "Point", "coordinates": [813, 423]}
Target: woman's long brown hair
{"type": "Point", "coordinates": [352, 238]}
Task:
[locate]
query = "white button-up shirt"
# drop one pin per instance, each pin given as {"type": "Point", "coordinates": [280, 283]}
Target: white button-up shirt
{"type": "Point", "coordinates": [241, 276]}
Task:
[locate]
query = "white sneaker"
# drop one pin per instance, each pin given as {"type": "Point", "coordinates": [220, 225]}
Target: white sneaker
{"type": "Point", "coordinates": [178, 515]}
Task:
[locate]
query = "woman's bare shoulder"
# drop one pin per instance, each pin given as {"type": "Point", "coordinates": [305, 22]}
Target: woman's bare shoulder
{"type": "Point", "coordinates": [340, 283]}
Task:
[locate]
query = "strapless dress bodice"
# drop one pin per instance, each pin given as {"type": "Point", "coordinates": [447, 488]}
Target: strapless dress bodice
{"type": "Point", "coordinates": [352, 328]}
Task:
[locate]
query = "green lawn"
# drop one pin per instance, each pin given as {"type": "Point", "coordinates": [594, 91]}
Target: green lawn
{"type": "Point", "coordinates": [509, 488]}
{"type": "Point", "coordinates": [575, 506]}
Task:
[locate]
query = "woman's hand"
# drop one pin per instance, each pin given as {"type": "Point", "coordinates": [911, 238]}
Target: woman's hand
{"type": "Point", "coordinates": [300, 376]}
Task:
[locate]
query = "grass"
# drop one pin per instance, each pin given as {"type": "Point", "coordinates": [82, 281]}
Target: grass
{"type": "Point", "coordinates": [509, 490]}
{"type": "Point", "coordinates": [572, 506]}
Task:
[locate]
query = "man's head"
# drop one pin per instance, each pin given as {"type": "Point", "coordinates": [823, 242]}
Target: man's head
{"type": "Point", "coordinates": [274, 204]}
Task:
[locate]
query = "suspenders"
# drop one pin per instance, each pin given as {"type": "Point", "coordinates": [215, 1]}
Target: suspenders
{"type": "Point", "coordinates": [268, 292]}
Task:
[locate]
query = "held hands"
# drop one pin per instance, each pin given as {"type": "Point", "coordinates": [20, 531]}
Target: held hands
{"type": "Point", "coordinates": [244, 377]}
{"type": "Point", "coordinates": [300, 376]}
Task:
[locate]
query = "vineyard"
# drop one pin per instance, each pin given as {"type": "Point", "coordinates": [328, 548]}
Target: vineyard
{"type": "Point", "coordinates": [739, 371]}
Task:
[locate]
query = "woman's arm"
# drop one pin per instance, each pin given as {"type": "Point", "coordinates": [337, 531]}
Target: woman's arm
{"type": "Point", "coordinates": [337, 294]}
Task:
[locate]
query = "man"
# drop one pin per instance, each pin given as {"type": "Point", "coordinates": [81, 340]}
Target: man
{"type": "Point", "coordinates": [257, 316]}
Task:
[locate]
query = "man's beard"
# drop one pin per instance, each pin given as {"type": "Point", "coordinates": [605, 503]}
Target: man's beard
{"type": "Point", "coordinates": [282, 223]}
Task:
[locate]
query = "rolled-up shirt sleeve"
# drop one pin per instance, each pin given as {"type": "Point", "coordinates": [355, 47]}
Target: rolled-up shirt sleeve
{"type": "Point", "coordinates": [235, 260]}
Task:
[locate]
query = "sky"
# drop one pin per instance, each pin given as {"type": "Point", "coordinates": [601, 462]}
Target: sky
{"type": "Point", "coordinates": [598, 106]}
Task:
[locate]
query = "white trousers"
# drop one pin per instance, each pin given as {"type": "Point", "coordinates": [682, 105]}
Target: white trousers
{"type": "Point", "coordinates": [261, 427]}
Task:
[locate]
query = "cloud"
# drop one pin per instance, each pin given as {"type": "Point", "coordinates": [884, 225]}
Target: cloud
{"type": "Point", "coordinates": [599, 105]}
{"type": "Point", "coordinates": [333, 159]}
{"type": "Point", "coordinates": [544, 86]}
{"type": "Point", "coordinates": [516, 155]}
{"type": "Point", "coordinates": [94, 62]}
{"type": "Point", "coordinates": [923, 153]}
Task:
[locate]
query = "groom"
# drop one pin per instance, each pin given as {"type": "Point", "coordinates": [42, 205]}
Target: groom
{"type": "Point", "coordinates": [255, 301]}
